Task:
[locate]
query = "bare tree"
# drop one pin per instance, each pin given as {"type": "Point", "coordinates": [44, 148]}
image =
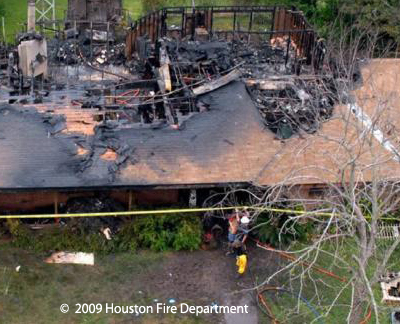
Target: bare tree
{"type": "Point", "coordinates": [356, 168]}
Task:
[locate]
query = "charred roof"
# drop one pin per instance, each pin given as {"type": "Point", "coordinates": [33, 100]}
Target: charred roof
{"type": "Point", "coordinates": [180, 103]}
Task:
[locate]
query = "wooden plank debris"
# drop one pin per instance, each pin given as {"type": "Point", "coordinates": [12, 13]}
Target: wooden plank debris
{"type": "Point", "coordinates": [217, 83]}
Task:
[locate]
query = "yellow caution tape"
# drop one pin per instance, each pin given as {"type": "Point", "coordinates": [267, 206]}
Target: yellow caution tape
{"type": "Point", "coordinates": [183, 210]}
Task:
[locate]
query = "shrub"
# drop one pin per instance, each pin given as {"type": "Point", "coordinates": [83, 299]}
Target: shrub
{"type": "Point", "coordinates": [65, 239]}
{"type": "Point", "coordinates": [188, 236]}
{"type": "Point", "coordinates": [277, 230]}
{"type": "Point", "coordinates": [158, 233]}
{"type": "Point", "coordinates": [13, 226]}
{"type": "Point", "coordinates": [163, 232]}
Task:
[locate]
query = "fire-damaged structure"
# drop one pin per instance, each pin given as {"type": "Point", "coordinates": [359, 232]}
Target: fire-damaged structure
{"type": "Point", "coordinates": [203, 48]}
{"type": "Point", "coordinates": [95, 11]}
{"type": "Point", "coordinates": [190, 98]}
{"type": "Point", "coordinates": [255, 23]}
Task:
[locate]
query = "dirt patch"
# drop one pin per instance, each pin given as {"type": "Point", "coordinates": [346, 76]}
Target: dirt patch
{"type": "Point", "coordinates": [207, 277]}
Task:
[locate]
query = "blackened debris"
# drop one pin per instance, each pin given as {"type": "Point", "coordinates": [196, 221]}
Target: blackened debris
{"type": "Point", "coordinates": [214, 54]}
{"type": "Point", "coordinates": [294, 106]}
{"type": "Point", "coordinates": [72, 51]}
{"type": "Point", "coordinates": [29, 36]}
{"type": "Point", "coordinates": [394, 291]}
{"type": "Point", "coordinates": [101, 204]}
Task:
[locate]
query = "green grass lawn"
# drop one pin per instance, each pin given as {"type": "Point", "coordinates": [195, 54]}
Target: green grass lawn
{"type": "Point", "coordinates": [134, 8]}
{"type": "Point", "coordinates": [16, 13]}
{"type": "Point", "coordinates": [35, 293]}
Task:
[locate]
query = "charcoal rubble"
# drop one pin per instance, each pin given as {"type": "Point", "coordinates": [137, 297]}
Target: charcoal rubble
{"type": "Point", "coordinates": [298, 106]}
{"type": "Point", "coordinates": [162, 81]}
{"type": "Point", "coordinates": [176, 71]}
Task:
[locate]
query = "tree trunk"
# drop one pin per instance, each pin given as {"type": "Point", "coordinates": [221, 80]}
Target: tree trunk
{"type": "Point", "coordinates": [357, 310]}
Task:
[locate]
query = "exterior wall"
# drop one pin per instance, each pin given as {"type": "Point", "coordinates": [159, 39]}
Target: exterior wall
{"type": "Point", "coordinates": [310, 194]}
{"type": "Point", "coordinates": [31, 201]}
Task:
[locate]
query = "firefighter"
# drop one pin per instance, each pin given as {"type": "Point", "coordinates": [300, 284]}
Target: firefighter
{"type": "Point", "coordinates": [241, 256]}
{"type": "Point", "coordinates": [232, 231]}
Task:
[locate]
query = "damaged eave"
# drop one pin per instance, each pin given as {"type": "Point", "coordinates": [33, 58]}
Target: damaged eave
{"type": "Point", "coordinates": [127, 187]}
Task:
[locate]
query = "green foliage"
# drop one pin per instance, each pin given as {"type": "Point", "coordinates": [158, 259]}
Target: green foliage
{"type": "Point", "coordinates": [188, 236]}
{"type": "Point", "coordinates": [66, 239]}
{"type": "Point", "coordinates": [126, 238]}
{"type": "Point", "coordinates": [277, 230]}
{"type": "Point", "coordinates": [163, 232]}
{"type": "Point", "coordinates": [380, 16]}
{"type": "Point", "coordinates": [158, 233]}
{"type": "Point", "coordinates": [2, 10]}
{"type": "Point", "coordinates": [13, 226]}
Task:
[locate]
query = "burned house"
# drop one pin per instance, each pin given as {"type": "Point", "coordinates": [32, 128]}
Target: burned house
{"type": "Point", "coordinates": [192, 99]}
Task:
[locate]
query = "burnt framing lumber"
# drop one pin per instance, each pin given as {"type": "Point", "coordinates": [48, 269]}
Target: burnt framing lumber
{"type": "Point", "coordinates": [283, 23]}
